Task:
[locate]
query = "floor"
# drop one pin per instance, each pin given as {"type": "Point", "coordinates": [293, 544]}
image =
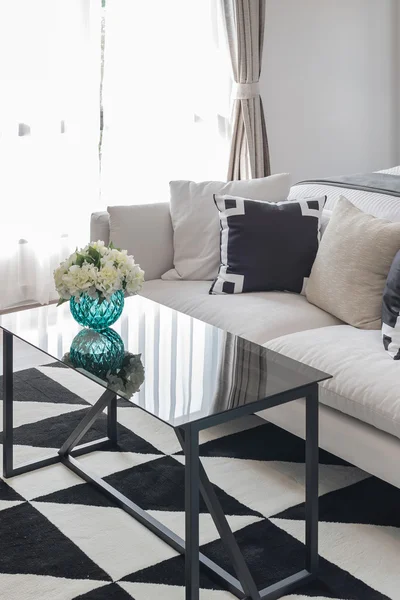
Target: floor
{"type": "Point", "coordinates": [61, 540]}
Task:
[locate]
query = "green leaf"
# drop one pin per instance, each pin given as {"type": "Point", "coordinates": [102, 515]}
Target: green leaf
{"type": "Point", "coordinates": [112, 247]}
{"type": "Point", "coordinates": [94, 254]}
{"type": "Point", "coordinates": [80, 259]}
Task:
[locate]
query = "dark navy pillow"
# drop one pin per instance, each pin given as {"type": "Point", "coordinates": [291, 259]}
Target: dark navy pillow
{"type": "Point", "coordinates": [391, 310]}
{"type": "Point", "coordinates": [267, 246]}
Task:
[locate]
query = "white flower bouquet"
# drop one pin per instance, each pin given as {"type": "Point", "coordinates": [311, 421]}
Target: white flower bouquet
{"type": "Point", "coordinates": [97, 271]}
{"type": "Point", "coordinates": [126, 380]}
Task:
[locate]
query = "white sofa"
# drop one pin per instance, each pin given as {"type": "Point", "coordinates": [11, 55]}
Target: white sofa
{"type": "Point", "coordinates": [360, 405]}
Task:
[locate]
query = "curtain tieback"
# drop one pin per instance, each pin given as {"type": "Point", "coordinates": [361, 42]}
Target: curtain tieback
{"type": "Point", "coordinates": [244, 91]}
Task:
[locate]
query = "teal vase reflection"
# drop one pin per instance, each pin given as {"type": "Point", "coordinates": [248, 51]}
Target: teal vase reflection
{"type": "Point", "coordinates": [98, 352]}
{"type": "Point", "coordinates": [96, 314]}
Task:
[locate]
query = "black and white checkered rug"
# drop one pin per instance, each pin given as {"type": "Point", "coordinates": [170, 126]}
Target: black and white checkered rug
{"type": "Point", "coordinates": [62, 540]}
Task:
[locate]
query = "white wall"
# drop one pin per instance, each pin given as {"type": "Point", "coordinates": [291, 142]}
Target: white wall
{"type": "Point", "coordinates": [330, 86]}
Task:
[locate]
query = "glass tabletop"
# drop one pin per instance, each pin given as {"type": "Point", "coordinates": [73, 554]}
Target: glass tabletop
{"type": "Point", "coordinates": [175, 367]}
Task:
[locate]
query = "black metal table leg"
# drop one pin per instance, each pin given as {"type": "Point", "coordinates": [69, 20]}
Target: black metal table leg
{"type": "Point", "coordinates": [90, 417]}
{"type": "Point", "coordinates": [192, 507]}
{"type": "Point", "coordinates": [312, 461]}
{"type": "Point", "coordinates": [8, 432]}
{"type": "Point", "coordinates": [221, 523]}
{"type": "Point", "coordinates": [112, 424]}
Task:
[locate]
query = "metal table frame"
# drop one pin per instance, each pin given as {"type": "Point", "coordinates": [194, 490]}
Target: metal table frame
{"type": "Point", "coordinates": [196, 482]}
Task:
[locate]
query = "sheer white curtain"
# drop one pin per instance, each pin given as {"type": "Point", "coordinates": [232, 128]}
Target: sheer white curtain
{"type": "Point", "coordinates": [49, 133]}
{"type": "Point", "coordinates": [166, 114]}
{"type": "Point", "coordinates": [165, 96]}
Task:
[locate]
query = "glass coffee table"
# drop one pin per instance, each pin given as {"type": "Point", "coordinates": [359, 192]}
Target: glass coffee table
{"type": "Point", "coordinates": [191, 376]}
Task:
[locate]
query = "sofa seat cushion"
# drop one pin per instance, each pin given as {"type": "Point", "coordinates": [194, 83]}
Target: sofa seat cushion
{"type": "Point", "coordinates": [257, 316]}
{"type": "Point", "coordinates": [366, 381]}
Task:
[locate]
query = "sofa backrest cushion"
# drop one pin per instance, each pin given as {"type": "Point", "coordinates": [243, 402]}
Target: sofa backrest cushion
{"type": "Point", "coordinates": [145, 230]}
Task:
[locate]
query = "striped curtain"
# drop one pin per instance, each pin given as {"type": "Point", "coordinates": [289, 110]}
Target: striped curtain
{"type": "Point", "coordinates": [244, 23]}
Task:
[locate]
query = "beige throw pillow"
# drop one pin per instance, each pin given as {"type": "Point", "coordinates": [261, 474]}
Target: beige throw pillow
{"type": "Point", "coordinates": [350, 270]}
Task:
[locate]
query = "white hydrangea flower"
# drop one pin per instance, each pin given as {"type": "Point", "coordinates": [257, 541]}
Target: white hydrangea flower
{"type": "Point", "coordinates": [79, 279]}
{"type": "Point", "coordinates": [72, 260]}
{"type": "Point", "coordinates": [113, 255]}
{"type": "Point", "coordinates": [115, 382]}
{"type": "Point", "coordinates": [134, 280]}
{"type": "Point", "coordinates": [100, 247]}
{"type": "Point", "coordinates": [129, 378]}
{"type": "Point", "coordinates": [98, 274]}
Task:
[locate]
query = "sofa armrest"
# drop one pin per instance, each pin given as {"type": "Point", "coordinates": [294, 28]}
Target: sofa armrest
{"type": "Point", "coordinates": [100, 227]}
{"type": "Point", "coordinates": [145, 230]}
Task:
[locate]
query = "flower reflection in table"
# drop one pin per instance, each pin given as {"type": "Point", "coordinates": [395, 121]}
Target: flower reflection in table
{"type": "Point", "coordinates": [102, 354]}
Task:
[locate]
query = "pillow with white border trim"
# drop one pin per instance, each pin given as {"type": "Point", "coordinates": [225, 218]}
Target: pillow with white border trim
{"type": "Point", "coordinates": [196, 225]}
{"type": "Point", "coordinates": [267, 246]}
{"type": "Point", "coordinates": [391, 310]}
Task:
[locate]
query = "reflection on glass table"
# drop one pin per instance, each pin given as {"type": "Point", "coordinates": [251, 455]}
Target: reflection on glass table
{"type": "Point", "coordinates": [102, 354]}
{"type": "Point", "coordinates": [194, 371]}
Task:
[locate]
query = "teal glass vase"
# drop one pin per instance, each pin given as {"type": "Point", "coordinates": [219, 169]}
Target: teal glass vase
{"type": "Point", "coordinates": [96, 314]}
{"type": "Point", "coordinates": [98, 352]}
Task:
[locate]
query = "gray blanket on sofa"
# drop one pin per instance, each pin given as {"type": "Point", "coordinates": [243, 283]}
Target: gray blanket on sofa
{"type": "Point", "coordinates": [381, 183]}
